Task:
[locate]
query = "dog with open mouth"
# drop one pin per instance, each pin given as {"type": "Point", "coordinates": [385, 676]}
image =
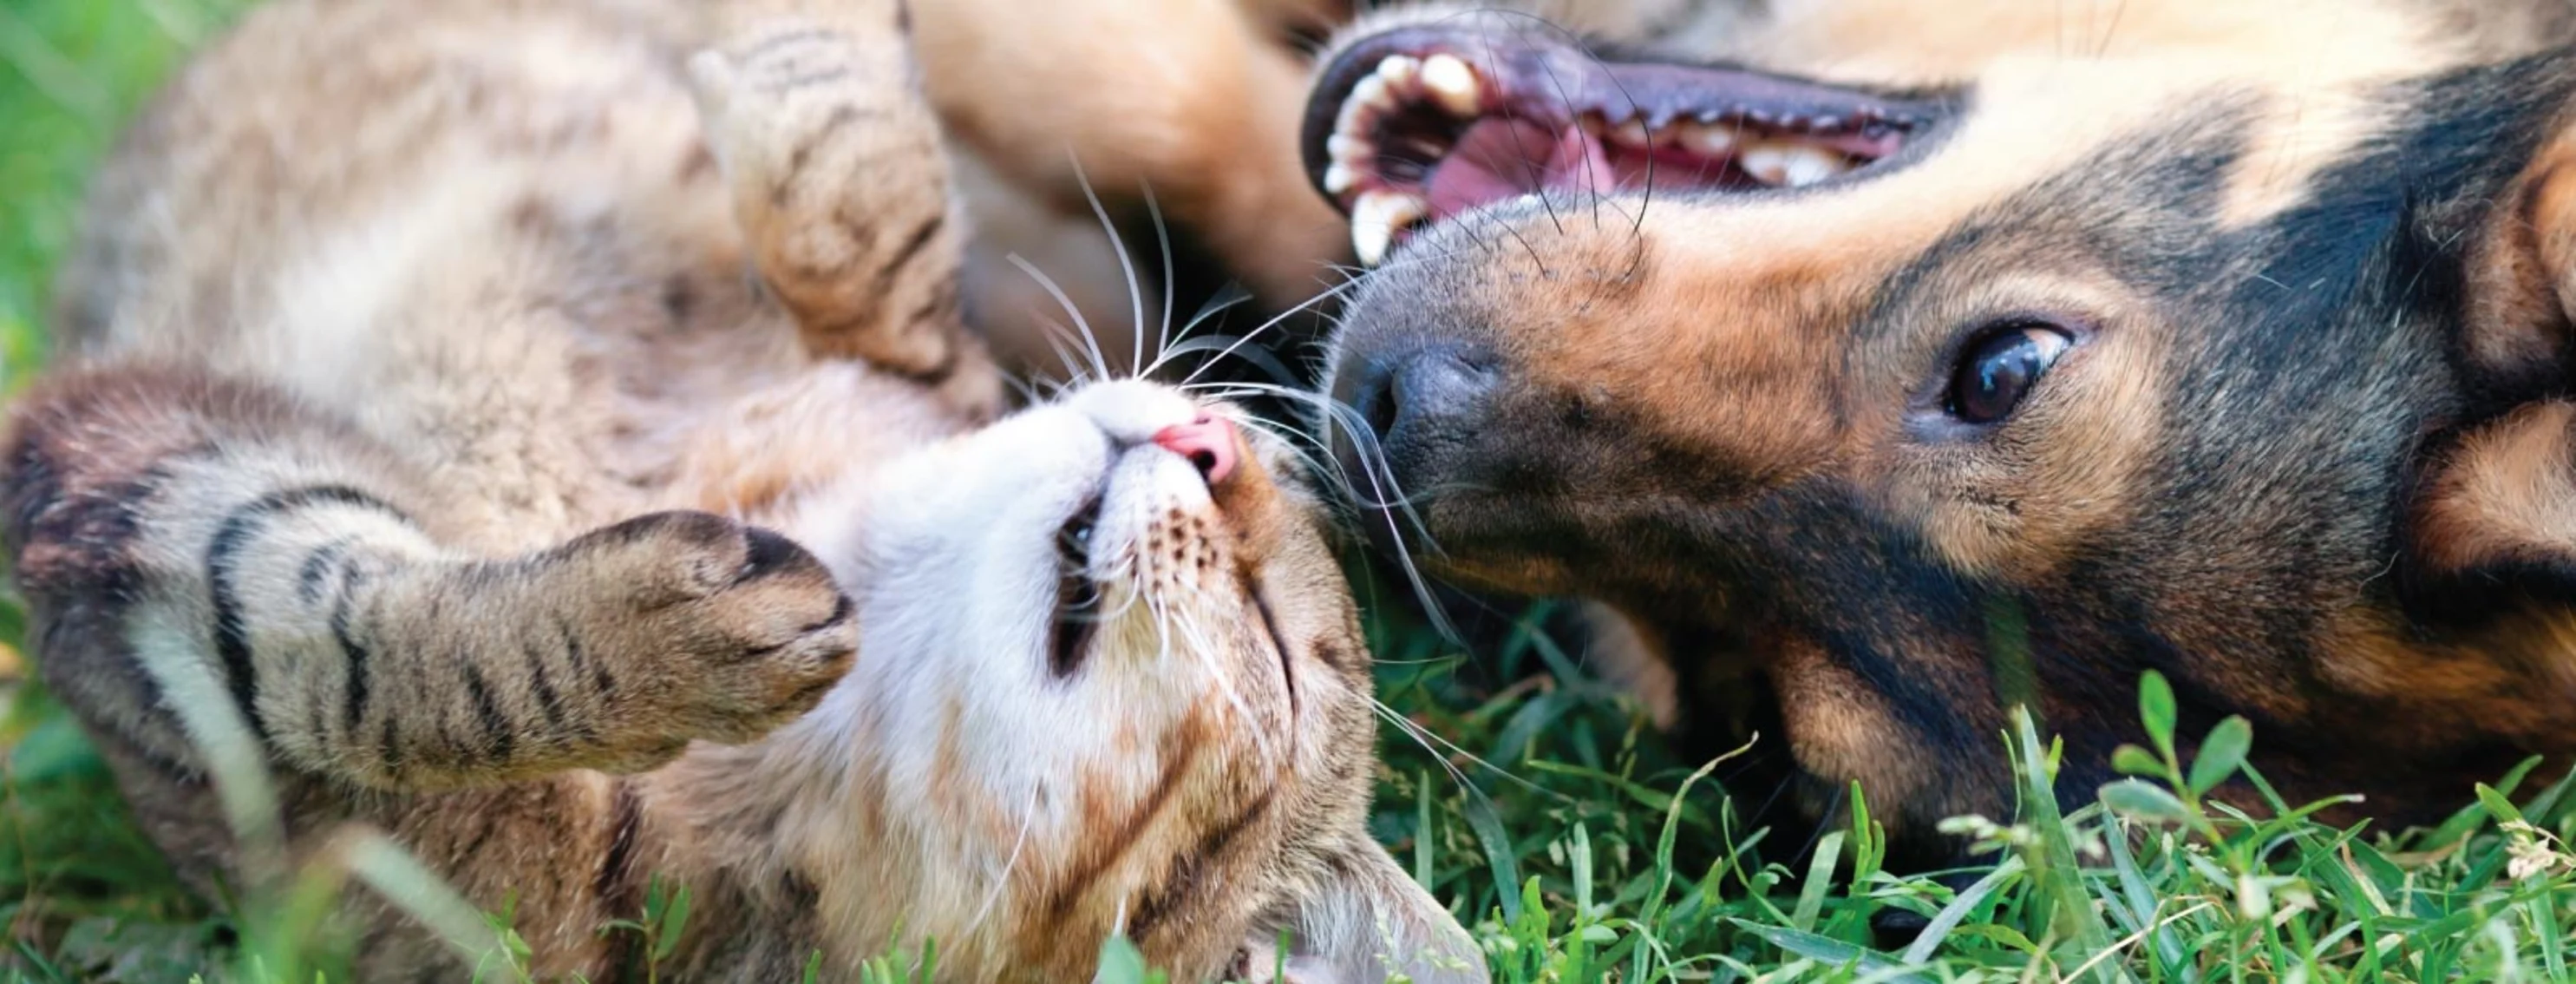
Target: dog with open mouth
{"type": "Point", "coordinates": [1878, 371]}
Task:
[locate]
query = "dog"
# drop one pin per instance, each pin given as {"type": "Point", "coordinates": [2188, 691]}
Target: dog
{"type": "Point", "coordinates": [1879, 371]}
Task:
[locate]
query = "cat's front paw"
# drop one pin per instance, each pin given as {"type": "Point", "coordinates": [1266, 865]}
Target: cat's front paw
{"type": "Point", "coordinates": [840, 183]}
{"type": "Point", "coordinates": [722, 631]}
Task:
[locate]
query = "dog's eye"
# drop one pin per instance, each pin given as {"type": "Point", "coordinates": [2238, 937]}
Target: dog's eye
{"type": "Point", "coordinates": [1998, 368]}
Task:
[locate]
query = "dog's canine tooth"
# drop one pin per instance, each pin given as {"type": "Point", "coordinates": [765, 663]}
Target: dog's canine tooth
{"type": "Point", "coordinates": [1398, 69]}
{"type": "Point", "coordinates": [1350, 149]}
{"type": "Point", "coordinates": [1453, 85]}
{"type": "Point", "coordinates": [1339, 178]}
{"type": "Point", "coordinates": [1377, 216]}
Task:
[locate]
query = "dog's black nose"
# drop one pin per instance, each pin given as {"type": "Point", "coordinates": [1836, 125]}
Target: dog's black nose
{"type": "Point", "coordinates": [1421, 393]}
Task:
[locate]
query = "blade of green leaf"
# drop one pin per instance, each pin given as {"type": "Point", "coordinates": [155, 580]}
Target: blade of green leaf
{"type": "Point", "coordinates": [1943, 922]}
{"type": "Point", "coordinates": [1826, 949]}
{"type": "Point", "coordinates": [2221, 754]}
{"type": "Point", "coordinates": [1820, 880]}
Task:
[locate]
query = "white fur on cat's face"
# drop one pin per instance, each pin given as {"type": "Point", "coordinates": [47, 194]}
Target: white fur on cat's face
{"type": "Point", "coordinates": [1004, 736]}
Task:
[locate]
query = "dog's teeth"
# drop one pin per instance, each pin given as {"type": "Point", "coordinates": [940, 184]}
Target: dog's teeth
{"type": "Point", "coordinates": [1767, 163]}
{"type": "Point", "coordinates": [1398, 69]}
{"type": "Point", "coordinates": [1354, 118]}
{"type": "Point", "coordinates": [1339, 178]}
{"type": "Point", "coordinates": [1371, 91]}
{"type": "Point", "coordinates": [1348, 149]}
{"type": "Point", "coordinates": [1790, 165]}
{"type": "Point", "coordinates": [1367, 99]}
{"type": "Point", "coordinates": [1633, 133]}
{"type": "Point", "coordinates": [1808, 165]}
{"type": "Point", "coordinates": [1376, 217]}
{"type": "Point", "coordinates": [1453, 85]}
{"type": "Point", "coordinates": [1712, 140]}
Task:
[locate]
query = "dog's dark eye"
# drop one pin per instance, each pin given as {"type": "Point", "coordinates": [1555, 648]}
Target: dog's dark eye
{"type": "Point", "coordinates": [1998, 368]}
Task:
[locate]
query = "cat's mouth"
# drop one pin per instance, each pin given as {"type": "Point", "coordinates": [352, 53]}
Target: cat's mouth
{"type": "Point", "coordinates": [1166, 501]}
{"type": "Point", "coordinates": [1419, 124]}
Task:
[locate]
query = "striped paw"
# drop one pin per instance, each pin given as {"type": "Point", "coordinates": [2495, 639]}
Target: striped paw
{"type": "Point", "coordinates": [840, 183]}
{"type": "Point", "coordinates": [721, 631]}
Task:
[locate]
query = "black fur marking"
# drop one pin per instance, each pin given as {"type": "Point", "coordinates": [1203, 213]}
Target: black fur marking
{"type": "Point", "coordinates": [232, 636]}
{"type": "Point", "coordinates": [797, 159]}
{"type": "Point", "coordinates": [549, 703]}
{"type": "Point", "coordinates": [581, 661]}
{"type": "Point", "coordinates": [487, 713]}
{"type": "Point", "coordinates": [389, 749]}
{"type": "Point", "coordinates": [1278, 643]}
{"type": "Point", "coordinates": [777, 41]}
{"type": "Point", "coordinates": [842, 609]}
{"type": "Point", "coordinates": [317, 565]}
{"type": "Point", "coordinates": [353, 654]}
{"type": "Point", "coordinates": [1158, 903]}
{"type": "Point", "coordinates": [767, 553]}
{"type": "Point", "coordinates": [939, 307]}
{"type": "Point", "coordinates": [913, 244]}
{"type": "Point", "coordinates": [679, 299]}
{"type": "Point", "coordinates": [613, 875]}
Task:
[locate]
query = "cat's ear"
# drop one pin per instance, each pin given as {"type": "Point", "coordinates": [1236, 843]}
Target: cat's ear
{"type": "Point", "coordinates": [1364, 921]}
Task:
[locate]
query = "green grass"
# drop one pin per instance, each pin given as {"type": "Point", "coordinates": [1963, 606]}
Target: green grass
{"type": "Point", "coordinates": [1574, 843]}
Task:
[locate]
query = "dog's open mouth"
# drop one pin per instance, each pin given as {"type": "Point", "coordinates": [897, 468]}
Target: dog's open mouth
{"type": "Point", "coordinates": [1420, 124]}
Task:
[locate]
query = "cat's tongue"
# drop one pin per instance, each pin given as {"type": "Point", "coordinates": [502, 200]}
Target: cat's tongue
{"type": "Point", "coordinates": [1500, 158]}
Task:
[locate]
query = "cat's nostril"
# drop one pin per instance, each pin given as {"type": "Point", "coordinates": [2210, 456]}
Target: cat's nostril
{"type": "Point", "coordinates": [1209, 443]}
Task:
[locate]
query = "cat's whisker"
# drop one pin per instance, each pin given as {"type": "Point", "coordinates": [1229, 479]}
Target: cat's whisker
{"type": "Point", "coordinates": [1431, 741]}
{"type": "Point", "coordinates": [1099, 361]}
{"type": "Point", "coordinates": [1010, 863]}
{"type": "Point", "coordinates": [1163, 238]}
{"type": "Point", "coordinates": [1311, 451]}
{"type": "Point", "coordinates": [1364, 442]}
{"type": "Point", "coordinates": [1335, 413]}
{"type": "Point", "coordinates": [1330, 292]}
{"type": "Point", "coordinates": [1058, 339]}
{"type": "Point", "coordinates": [1126, 265]}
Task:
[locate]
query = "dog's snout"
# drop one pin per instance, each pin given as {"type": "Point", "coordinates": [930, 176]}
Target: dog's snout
{"type": "Point", "coordinates": [1410, 394]}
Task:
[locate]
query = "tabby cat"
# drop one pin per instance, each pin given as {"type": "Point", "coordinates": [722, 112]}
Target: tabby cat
{"type": "Point", "coordinates": [426, 369]}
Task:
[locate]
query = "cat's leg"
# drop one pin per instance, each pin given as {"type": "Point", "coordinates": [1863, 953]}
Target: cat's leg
{"type": "Point", "coordinates": [189, 543]}
{"type": "Point", "coordinates": [815, 112]}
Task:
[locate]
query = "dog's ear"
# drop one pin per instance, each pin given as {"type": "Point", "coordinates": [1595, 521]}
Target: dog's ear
{"type": "Point", "coordinates": [2498, 511]}
{"type": "Point", "coordinates": [2495, 515]}
{"type": "Point", "coordinates": [1364, 921]}
{"type": "Point", "coordinates": [2519, 322]}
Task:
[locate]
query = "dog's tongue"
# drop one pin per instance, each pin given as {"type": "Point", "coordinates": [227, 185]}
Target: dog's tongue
{"type": "Point", "coordinates": [1501, 157]}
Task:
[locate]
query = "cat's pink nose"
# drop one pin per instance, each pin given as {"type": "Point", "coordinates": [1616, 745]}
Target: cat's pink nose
{"type": "Point", "coordinates": [1209, 442]}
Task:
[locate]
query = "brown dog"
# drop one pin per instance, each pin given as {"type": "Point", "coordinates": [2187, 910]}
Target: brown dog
{"type": "Point", "coordinates": [1887, 371]}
